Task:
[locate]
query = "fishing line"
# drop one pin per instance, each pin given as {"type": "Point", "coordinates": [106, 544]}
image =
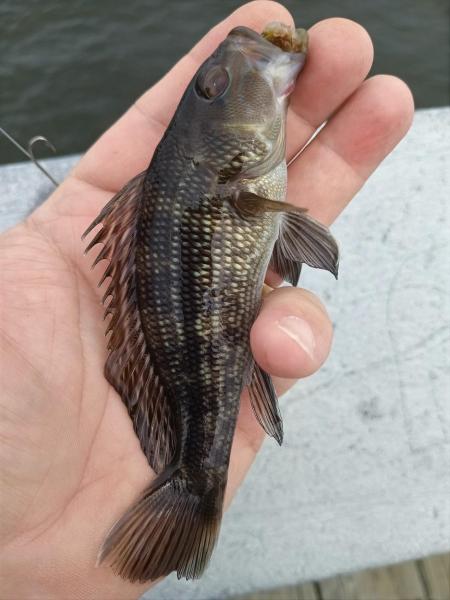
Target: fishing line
{"type": "Point", "coordinates": [29, 152]}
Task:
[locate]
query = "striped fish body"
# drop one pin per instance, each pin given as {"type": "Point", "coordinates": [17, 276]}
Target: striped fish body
{"type": "Point", "coordinates": [188, 243]}
{"type": "Point", "coordinates": [200, 267]}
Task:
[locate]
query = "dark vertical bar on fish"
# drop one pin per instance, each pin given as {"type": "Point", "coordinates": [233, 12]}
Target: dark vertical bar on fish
{"type": "Point", "coordinates": [188, 243]}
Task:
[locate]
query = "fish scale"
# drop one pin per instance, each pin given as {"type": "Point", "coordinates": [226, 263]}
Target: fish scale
{"type": "Point", "coordinates": [214, 341]}
{"type": "Point", "coordinates": [188, 243]}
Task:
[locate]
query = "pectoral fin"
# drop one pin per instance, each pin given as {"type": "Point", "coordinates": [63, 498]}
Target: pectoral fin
{"type": "Point", "coordinates": [249, 205]}
{"type": "Point", "coordinates": [302, 239]}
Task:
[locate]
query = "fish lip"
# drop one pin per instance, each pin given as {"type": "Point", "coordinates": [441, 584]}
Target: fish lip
{"type": "Point", "coordinates": [276, 38]}
{"type": "Point", "coordinates": [252, 45]}
{"type": "Point", "coordinates": [288, 39]}
{"type": "Point", "coordinates": [279, 64]}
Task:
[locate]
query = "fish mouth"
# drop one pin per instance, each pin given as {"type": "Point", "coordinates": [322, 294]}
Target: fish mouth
{"type": "Point", "coordinates": [286, 38]}
{"type": "Point", "coordinates": [275, 35]}
{"type": "Point", "coordinates": [279, 52]}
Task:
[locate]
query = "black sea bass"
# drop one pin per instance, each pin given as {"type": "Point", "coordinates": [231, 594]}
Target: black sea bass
{"type": "Point", "coordinates": [188, 243]}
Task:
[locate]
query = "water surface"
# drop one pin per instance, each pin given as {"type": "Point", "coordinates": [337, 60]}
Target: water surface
{"type": "Point", "coordinates": [69, 69]}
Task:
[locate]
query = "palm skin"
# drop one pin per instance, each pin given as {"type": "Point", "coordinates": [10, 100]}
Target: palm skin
{"type": "Point", "coordinates": [68, 442]}
{"type": "Point", "coordinates": [70, 459]}
{"type": "Point", "coordinates": [70, 462]}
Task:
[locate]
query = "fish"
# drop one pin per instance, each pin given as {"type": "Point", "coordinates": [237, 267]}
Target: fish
{"type": "Point", "coordinates": [188, 243]}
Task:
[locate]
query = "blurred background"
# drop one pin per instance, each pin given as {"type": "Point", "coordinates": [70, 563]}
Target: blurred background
{"type": "Point", "coordinates": [69, 69]}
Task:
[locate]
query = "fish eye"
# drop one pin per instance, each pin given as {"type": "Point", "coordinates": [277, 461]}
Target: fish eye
{"type": "Point", "coordinates": [213, 83]}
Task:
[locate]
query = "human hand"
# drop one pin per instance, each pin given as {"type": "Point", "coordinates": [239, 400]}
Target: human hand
{"type": "Point", "coordinates": [70, 461]}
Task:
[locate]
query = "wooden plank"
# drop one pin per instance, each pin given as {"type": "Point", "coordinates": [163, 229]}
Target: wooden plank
{"type": "Point", "coordinates": [306, 591]}
{"type": "Point", "coordinates": [399, 582]}
{"type": "Point", "coordinates": [427, 579]}
{"type": "Point", "coordinates": [435, 572]}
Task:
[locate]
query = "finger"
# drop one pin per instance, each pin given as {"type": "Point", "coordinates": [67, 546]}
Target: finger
{"type": "Point", "coordinates": [292, 335]}
{"type": "Point", "coordinates": [330, 171]}
{"type": "Point", "coordinates": [125, 149]}
{"type": "Point", "coordinates": [340, 55]}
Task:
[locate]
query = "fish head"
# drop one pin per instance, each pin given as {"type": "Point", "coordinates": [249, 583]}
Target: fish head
{"type": "Point", "coordinates": [266, 64]}
{"type": "Point", "coordinates": [237, 102]}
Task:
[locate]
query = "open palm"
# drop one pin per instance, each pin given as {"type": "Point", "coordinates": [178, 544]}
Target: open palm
{"type": "Point", "coordinates": [70, 462]}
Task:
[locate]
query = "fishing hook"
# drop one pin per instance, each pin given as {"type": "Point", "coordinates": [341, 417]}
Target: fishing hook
{"type": "Point", "coordinates": [29, 153]}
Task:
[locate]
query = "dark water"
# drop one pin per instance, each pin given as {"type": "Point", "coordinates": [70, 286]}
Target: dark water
{"type": "Point", "coordinates": [70, 68]}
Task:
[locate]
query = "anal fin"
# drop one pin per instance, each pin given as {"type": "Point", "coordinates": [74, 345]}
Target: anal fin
{"type": "Point", "coordinates": [264, 402]}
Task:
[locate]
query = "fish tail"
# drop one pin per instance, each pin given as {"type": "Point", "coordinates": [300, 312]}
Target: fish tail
{"type": "Point", "coordinates": [172, 527]}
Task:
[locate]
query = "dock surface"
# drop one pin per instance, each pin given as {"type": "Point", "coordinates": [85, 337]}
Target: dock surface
{"type": "Point", "coordinates": [363, 478]}
{"type": "Point", "coordinates": [425, 579]}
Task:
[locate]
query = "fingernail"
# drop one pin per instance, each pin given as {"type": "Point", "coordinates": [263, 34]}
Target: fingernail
{"type": "Point", "coordinates": [300, 331]}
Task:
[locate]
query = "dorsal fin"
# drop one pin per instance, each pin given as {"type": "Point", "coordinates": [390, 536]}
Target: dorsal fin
{"type": "Point", "coordinates": [129, 367]}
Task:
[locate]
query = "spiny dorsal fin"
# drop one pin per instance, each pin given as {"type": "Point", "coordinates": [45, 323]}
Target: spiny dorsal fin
{"type": "Point", "coordinates": [265, 403]}
{"type": "Point", "coordinates": [129, 367]}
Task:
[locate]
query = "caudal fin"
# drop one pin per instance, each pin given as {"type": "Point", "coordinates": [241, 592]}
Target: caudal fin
{"type": "Point", "coordinates": [172, 527]}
